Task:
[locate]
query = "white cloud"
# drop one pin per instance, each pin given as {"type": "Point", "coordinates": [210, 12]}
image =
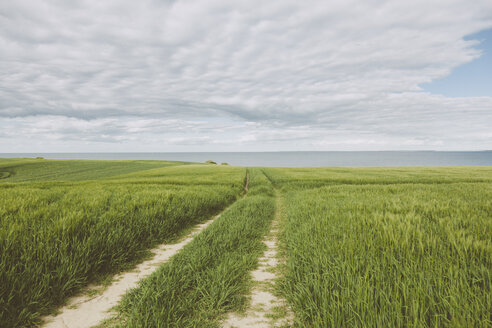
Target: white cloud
{"type": "Point", "coordinates": [278, 74]}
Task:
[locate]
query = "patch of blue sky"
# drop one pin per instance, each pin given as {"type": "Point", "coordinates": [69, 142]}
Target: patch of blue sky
{"type": "Point", "coordinates": [473, 79]}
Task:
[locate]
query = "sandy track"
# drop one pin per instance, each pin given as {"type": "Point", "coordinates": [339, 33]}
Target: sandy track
{"type": "Point", "coordinates": [246, 185]}
{"type": "Point", "coordinates": [86, 311]}
{"type": "Point", "coordinates": [261, 312]}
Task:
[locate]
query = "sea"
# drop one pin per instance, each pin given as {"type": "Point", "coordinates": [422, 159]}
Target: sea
{"type": "Point", "coordinates": [294, 158]}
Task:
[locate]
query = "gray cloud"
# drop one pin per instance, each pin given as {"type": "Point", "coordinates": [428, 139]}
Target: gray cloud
{"type": "Point", "coordinates": [254, 73]}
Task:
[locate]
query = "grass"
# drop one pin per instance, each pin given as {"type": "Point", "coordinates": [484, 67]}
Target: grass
{"type": "Point", "coordinates": [20, 170]}
{"type": "Point", "coordinates": [57, 236]}
{"type": "Point", "coordinates": [306, 178]}
{"type": "Point", "coordinates": [184, 175]}
{"type": "Point", "coordinates": [391, 254]}
{"type": "Point", "coordinates": [364, 247]}
{"type": "Point", "coordinates": [210, 276]}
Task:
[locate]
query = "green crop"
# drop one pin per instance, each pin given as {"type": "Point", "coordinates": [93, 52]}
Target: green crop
{"type": "Point", "coordinates": [17, 170]}
{"type": "Point", "coordinates": [57, 236]}
{"type": "Point", "coordinates": [210, 276]}
{"type": "Point", "coordinates": [399, 247]}
{"type": "Point", "coordinates": [364, 247]}
{"type": "Point", "coordinates": [305, 178]}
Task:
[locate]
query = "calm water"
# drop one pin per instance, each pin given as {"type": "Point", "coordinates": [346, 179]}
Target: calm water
{"type": "Point", "coordinates": [308, 158]}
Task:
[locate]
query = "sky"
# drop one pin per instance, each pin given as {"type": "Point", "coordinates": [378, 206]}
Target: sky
{"type": "Point", "coordinates": [221, 75]}
{"type": "Point", "coordinates": [473, 79]}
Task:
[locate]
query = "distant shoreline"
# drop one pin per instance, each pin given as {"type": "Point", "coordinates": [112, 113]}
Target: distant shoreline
{"type": "Point", "coordinates": [294, 158]}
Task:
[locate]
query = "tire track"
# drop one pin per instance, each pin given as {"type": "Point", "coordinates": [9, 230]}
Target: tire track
{"type": "Point", "coordinates": [266, 309]}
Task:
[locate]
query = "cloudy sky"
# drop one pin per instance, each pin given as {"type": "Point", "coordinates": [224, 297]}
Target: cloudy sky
{"type": "Point", "coordinates": [221, 75]}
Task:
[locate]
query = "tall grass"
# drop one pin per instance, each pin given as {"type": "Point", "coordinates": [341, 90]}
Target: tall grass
{"type": "Point", "coordinates": [412, 255]}
{"type": "Point", "coordinates": [210, 276]}
{"type": "Point", "coordinates": [55, 237]}
{"type": "Point", "coordinates": [365, 247]}
{"type": "Point", "coordinates": [305, 178]}
{"type": "Point", "coordinates": [28, 169]}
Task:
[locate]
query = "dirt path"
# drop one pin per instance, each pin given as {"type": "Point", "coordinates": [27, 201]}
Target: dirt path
{"type": "Point", "coordinates": [87, 311]}
{"type": "Point", "coordinates": [246, 185]}
{"type": "Point", "coordinates": [266, 309]}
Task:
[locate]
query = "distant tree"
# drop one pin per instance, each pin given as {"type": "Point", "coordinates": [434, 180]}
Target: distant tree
{"type": "Point", "coordinates": [210, 162]}
{"type": "Point", "coordinates": [39, 157]}
{"type": "Point", "coordinates": [224, 164]}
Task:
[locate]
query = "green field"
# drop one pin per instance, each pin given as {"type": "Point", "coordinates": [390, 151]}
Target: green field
{"type": "Point", "coordinates": [56, 236]}
{"type": "Point", "coordinates": [363, 247]}
{"type": "Point", "coordinates": [20, 170]}
{"type": "Point", "coordinates": [388, 247]}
